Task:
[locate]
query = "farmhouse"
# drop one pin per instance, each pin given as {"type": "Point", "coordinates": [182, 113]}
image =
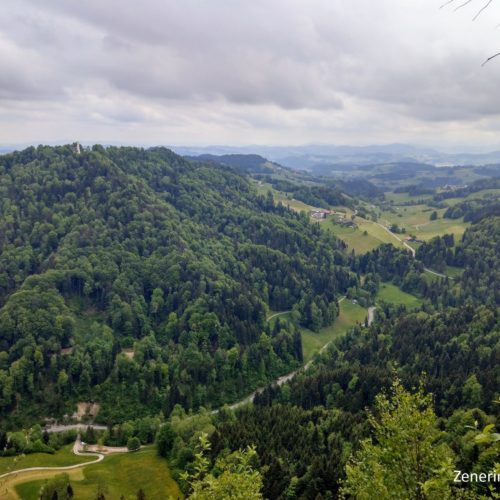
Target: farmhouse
{"type": "Point", "coordinates": [320, 214]}
{"type": "Point", "coordinates": [414, 239]}
{"type": "Point", "coordinates": [348, 223]}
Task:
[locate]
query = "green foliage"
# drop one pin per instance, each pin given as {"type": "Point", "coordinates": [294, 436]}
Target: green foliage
{"type": "Point", "coordinates": [58, 488]}
{"type": "Point", "coordinates": [130, 248]}
{"type": "Point", "coordinates": [165, 440]}
{"type": "Point", "coordinates": [407, 457]}
{"type": "Point", "coordinates": [233, 477]}
{"type": "Point", "coordinates": [303, 451]}
{"type": "Point", "coordinates": [133, 444]}
{"type": "Point", "coordinates": [307, 428]}
{"type": "Point", "coordinates": [186, 430]}
{"type": "Point", "coordinates": [437, 253]}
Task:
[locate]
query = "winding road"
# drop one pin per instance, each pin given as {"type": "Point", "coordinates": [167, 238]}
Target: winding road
{"type": "Point", "coordinates": [76, 451]}
{"type": "Point", "coordinates": [412, 250]}
{"type": "Point", "coordinates": [385, 228]}
{"type": "Point", "coordinates": [285, 378]}
{"type": "Point", "coordinates": [100, 456]}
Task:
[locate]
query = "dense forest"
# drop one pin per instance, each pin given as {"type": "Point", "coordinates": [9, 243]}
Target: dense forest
{"type": "Point", "coordinates": [144, 281]}
{"type": "Point", "coordinates": [117, 249]}
{"type": "Point", "coordinates": [454, 351]}
{"type": "Point", "coordinates": [312, 193]}
{"type": "Point", "coordinates": [478, 253]}
{"type": "Point", "coordinates": [319, 435]}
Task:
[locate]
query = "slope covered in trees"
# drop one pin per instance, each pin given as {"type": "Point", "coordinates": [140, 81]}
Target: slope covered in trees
{"type": "Point", "coordinates": [124, 248]}
{"type": "Point", "coordinates": [307, 430]}
{"type": "Point", "coordinates": [478, 253]}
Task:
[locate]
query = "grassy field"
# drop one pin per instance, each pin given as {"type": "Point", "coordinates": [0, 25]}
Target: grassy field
{"type": "Point", "coordinates": [450, 271]}
{"type": "Point", "coordinates": [60, 458]}
{"type": "Point", "coordinates": [391, 293]}
{"type": "Point", "coordinates": [120, 474]}
{"type": "Point", "coordinates": [298, 206]}
{"type": "Point", "coordinates": [416, 220]}
{"type": "Point", "coordinates": [356, 238]}
{"type": "Point", "coordinates": [350, 314]}
{"type": "Point", "coordinates": [368, 235]}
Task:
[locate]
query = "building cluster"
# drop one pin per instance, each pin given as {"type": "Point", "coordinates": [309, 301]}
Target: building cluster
{"type": "Point", "coordinates": [320, 214]}
{"type": "Point", "coordinates": [340, 217]}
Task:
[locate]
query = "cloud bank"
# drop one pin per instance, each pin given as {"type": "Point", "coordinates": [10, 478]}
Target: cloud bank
{"type": "Point", "coordinates": [234, 72]}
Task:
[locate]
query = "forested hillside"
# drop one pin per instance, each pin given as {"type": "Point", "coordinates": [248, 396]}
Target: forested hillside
{"type": "Point", "coordinates": [139, 280]}
{"type": "Point", "coordinates": [478, 253]}
{"type": "Point", "coordinates": [144, 282]}
{"type": "Point", "coordinates": [308, 430]}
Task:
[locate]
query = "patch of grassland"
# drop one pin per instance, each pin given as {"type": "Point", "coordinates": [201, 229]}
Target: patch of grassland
{"type": "Point", "coordinates": [391, 293]}
{"type": "Point", "coordinates": [298, 206]}
{"type": "Point", "coordinates": [354, 238]}
{"type": "Point", "coordinates": [60, 458]}
{"type": "Point", "coordinates": [350, 314]}
{"type": "Point", "coordinates": [416, 220]}
{"type": "Point", "coordinates": [120, 474]}
{"type": "Point", "coordinates": [441, 226]}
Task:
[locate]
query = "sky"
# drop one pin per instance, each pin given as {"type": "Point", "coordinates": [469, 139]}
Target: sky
{"type": "Point", "coordinates": [234, 72]}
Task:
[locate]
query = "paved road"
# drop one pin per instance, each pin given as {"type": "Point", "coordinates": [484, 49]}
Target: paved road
{"type": "Point", "coordinates": [284, 378]}
{"type": "Point", "coordinates": [412, 250]}
{"type": "Point", "coordinates": [76, 451]}
{"type": "Point", "coordinates": [437, 274]}
{"type": "Point", "coordinates": [70, 427]}
{"type": "Point", "coordinates": [278, 314]}
{"type": "Point", "coordinates": [371, 314]}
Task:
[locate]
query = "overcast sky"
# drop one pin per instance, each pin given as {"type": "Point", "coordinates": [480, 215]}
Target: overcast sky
{"type": "Point", "coordinates": [194, 72]}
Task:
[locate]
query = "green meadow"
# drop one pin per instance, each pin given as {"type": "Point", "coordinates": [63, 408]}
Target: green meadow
{"type": "Point", "coordinates": [118, 475]}
{"type": "Point", "coordinates": [60, 458]}
{"type": "Point", "coordinates": [391, 293]}
{"type": "Point", "coordinates": [350, 315]}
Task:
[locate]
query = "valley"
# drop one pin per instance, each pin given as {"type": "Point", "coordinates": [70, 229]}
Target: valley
{"type": "Point", "coordinates": [249, 250]}
{"type": "Point", "coordinates": [202, 315]}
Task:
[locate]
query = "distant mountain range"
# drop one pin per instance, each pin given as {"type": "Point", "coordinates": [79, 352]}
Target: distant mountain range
{"type": "Point", "coordinates": [324, 159]}
{"type": "Point", "coordinates": [333, 157]}
{"type": "Point", "coordinates": [248, 163]}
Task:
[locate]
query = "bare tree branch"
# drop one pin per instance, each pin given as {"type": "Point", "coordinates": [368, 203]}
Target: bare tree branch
{"type": "Point", "coordinates": [490, 58]}
{"type": "Point", "coordinates": [446, 3]}
{"type": "Point", "coordinates": [484, 8]}
{"type": "Point", "coordinates": [463, 5]}
{"type": "Point", "coordinates": [481, 10]}
{"type": "Point", "coordinates": [467, 2]}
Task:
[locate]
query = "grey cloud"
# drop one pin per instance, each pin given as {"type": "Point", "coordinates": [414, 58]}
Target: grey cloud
{"type": "Point", "coordinates": [212, 53]}
{"type": "Point", "coordinates": [345, 64]}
